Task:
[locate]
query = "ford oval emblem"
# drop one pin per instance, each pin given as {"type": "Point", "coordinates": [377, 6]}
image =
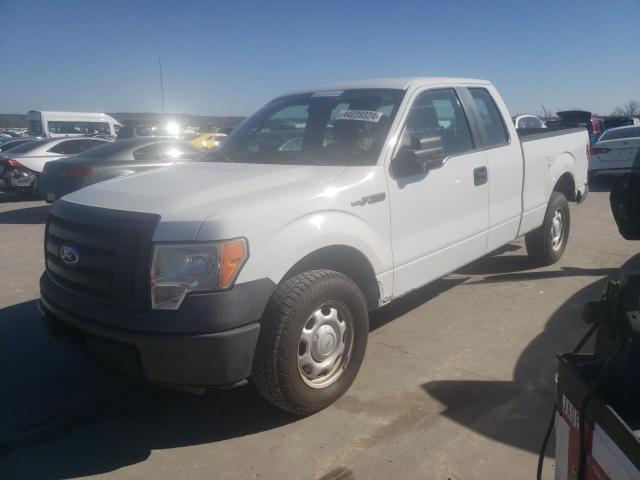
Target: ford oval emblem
{"type": "Point", "coordinates": [69, 255]}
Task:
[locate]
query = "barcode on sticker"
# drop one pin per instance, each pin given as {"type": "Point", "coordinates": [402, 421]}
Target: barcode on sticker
{"type": "Point", "coordinates": [362, 115]}
{"type": "Point", "coordinates": [327, 93]}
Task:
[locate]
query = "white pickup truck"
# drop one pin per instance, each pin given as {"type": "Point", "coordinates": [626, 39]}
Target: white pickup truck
{"type": "Point", "coordinates": [263, 260]}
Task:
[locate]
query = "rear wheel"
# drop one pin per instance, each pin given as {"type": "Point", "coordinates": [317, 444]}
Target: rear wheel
{"type": "Point", "coordinates": [546, 244]}
{"type": "Point", "coordinates": [312, 341]}
{"type": "Point", "coordinates": [34, 186]}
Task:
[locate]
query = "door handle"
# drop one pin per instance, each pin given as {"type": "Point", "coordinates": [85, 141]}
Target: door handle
{"type": "Point", "coordinates": [480, 176]}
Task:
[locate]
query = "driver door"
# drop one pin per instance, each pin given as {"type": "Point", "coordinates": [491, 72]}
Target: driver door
{"type": "Point", "coordinates": [439, 218]}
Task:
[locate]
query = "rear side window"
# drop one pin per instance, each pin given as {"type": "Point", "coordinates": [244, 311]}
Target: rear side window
{"type": "Point", "coordinates": [622, 133]}
{"type": "Point", "coordinates": [155, 151]}
{"type": "Point", "coordinates": [71, 147]}
{"type": "Point", "coordinates": [529, 122]}
{"type": "Point", "coordinates": [490, 117]}
{"type": "Point", "coordinates": [166, 151]}
{"type": "Point", "coordinates": [89, 144]}
{"type": "Point", "coordinates": [439, 113]}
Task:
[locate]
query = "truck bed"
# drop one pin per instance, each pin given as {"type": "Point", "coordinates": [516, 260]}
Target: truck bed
{"type": "Point", "coordinates": [547, 152]}
{"type": "Point", "coordinates": [528, 134]}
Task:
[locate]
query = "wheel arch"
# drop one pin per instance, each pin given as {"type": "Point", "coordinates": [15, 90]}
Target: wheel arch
{"type": "Point", "coordinates": [344, 259]}
{"type": "Point", "coordinates": [566, 185]}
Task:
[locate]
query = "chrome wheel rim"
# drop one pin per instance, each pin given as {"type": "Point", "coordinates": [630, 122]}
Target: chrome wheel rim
{"type": "Point", "coordinates": [325, 345]}
{"type": "Point", "coordinates": [557, 230]}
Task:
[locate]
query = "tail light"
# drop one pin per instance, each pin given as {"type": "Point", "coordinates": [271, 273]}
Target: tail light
{"type": "Point", "coordinates": [599, 151]}
{"type": "Point", "coordinates": [78, 171]}
{"type": "Point", "coordinates": [14, 163]}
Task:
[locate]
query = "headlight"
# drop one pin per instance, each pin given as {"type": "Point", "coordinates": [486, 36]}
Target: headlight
{"type": "Point", "coordinates": [180, 268]}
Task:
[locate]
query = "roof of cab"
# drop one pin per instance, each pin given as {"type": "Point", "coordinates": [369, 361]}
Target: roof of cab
{"type": "Point", "coordinates": [396, 83]}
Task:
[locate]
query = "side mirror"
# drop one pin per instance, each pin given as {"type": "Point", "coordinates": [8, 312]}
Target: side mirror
{"type": "Point", "coordinates": [425, 153]}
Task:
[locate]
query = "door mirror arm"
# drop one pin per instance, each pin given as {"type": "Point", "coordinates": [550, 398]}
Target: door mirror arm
{"type": "Point", "coordinates": [426, 153]}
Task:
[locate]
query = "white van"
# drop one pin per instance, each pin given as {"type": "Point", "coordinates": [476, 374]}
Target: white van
{"type": "Point", "coordinates": [71, 124]}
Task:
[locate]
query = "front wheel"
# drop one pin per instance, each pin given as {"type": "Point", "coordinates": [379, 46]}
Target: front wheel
{"type": "Point", "coordinates": [312, 341]}
{"type": "Point", "coordinates": [546, 244]}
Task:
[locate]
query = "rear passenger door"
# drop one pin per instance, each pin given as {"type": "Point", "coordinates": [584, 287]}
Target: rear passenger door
{"type": "Point", "coordinates": [439, 218]}
{"type": "Point", "coordinates": [505, 168]}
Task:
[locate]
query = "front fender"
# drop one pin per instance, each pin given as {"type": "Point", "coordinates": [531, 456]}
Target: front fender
{"type": "Point", "coordinates": [275, 256]}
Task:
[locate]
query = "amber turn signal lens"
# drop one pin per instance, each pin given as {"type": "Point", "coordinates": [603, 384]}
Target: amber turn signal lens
{"type": "Point", "coordinates": [232, 256]}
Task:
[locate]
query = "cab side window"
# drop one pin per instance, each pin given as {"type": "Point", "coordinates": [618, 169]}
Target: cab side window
{"type": "Point", "coordinates": [490, 117]}
{"type": "Point", "coordinates": [70, 147]}
{"type": "Point", "coordinates": [439, 113]}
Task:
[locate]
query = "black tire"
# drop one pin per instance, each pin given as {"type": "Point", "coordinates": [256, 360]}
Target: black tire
{"type": "Point", "coordinates": [34, 187]}
{"type": "Point", "coordinates": [276, 373]}
{"type": "Point", "coordinates": [542, 246]}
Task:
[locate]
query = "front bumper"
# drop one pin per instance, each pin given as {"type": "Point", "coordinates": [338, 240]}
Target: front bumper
{"type": "Point", "coordinates": [186, 358]}
{"type": "Point", "coordinates": [213, 359]}
{"type": "Point", "coordinates": [582, 194]}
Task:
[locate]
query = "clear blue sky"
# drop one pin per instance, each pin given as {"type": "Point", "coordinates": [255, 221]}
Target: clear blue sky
{"type": "Point", "coordinates": [231, 57]}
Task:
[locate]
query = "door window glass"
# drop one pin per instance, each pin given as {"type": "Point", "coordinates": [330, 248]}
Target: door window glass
{"type": "Point", "coordinates": [490, 117]}
{"type": "Point", "coordinates": [439, 113]}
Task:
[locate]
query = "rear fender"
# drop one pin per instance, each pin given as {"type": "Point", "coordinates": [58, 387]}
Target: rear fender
{"type": "Point", "coordinates": [565, 163]}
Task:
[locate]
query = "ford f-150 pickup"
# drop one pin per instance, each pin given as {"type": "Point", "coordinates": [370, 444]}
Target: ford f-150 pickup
{"type": "Point", "coordinates": [263, 260]}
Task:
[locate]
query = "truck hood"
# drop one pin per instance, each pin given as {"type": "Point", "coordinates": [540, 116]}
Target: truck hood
{"type": "Point", "coordinates": [191, 192]}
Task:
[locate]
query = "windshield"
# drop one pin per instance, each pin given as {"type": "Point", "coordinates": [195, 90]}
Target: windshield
{"type": "Point", "coordinates": [35, 127]}
{"type": "Point", "coordinates": [339, 127]}
{"type": "Point", "coordinates": [621, 133]}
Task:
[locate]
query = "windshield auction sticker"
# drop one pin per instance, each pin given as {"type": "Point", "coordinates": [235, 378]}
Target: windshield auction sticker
{"type": "Point", "coordinates": [362, 115]}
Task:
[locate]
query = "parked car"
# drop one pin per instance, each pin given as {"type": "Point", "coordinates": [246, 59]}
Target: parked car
{"type": "Point", "coordinates": [14, 142]}
{"type": "Point", "coordinates": [20, 168]}
{"type": "Point", "coordinates": [582, 119]}
{"type": "Point", "coordinates": [616, 151]}
{"type": "Point", "coordinates": [528, 121]}
{"type": "Point", "coordinates": [4, 137]}
{"type": "Point", "coordinates": [616, 121]}
{"type": "Point", "coordinates": [170, 130]}
{"type": "Point", "coordinates": [264, 262]}
{"type": "Point", "coordinates": [124, 157]}
{"type": "Point", "coordinates": [71, 124]}
{"type": "Point", "coordinates": [208, 140]}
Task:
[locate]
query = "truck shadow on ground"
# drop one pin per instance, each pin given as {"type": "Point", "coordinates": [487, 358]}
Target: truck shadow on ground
{"type": "Point", "coordinates": [53, 403]}
{"type": "Point", "coordinates": [25, 216]}
{"type": "Point", "coordinates": [517, 412]}
{"type": "Point", "coordinates": [601, 183]}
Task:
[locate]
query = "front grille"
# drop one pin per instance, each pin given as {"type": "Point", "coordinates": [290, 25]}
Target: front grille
{"type": "Point", "coordinates": [114, 250]}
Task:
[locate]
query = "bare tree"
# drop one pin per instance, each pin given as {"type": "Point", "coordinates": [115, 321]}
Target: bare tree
{"type": "Point", "coordinates": [630, 108]}
{"type": "Point", "coordinates": [545, 113]}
